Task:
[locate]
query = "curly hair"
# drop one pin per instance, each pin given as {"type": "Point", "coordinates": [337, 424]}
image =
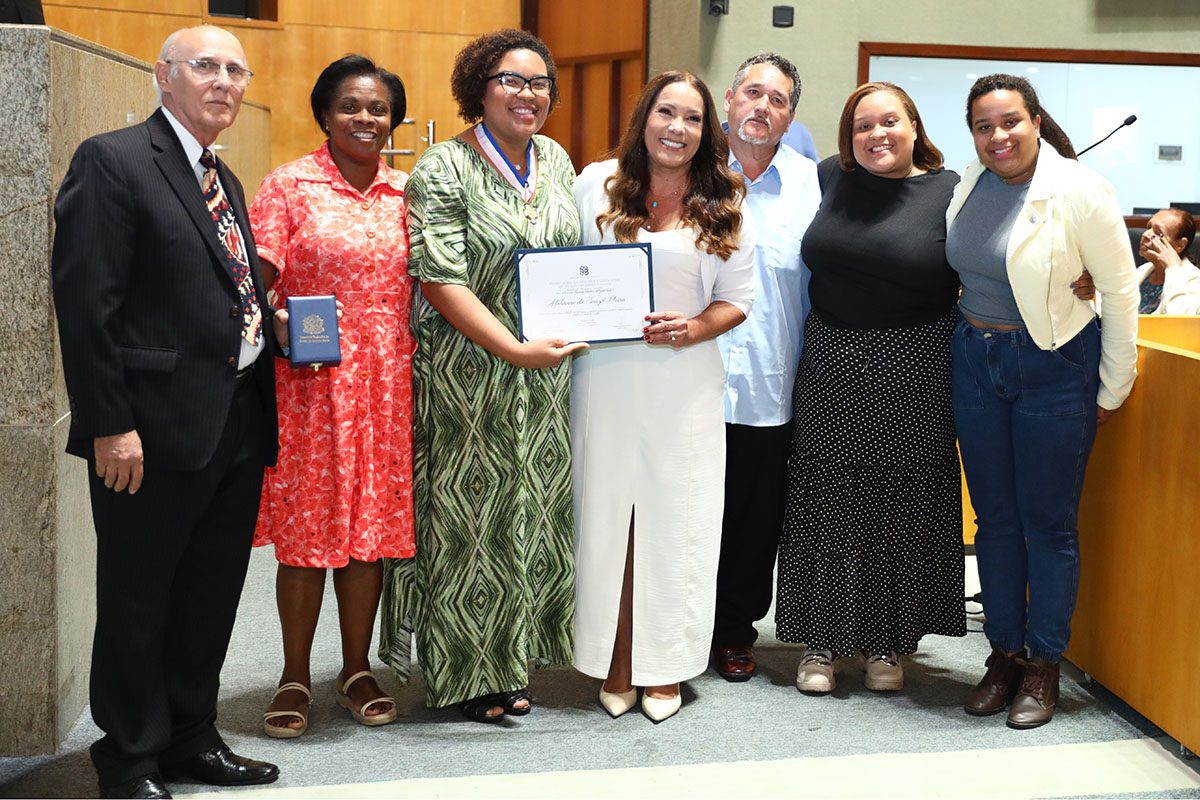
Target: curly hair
{"type": "Point", "coordinates": [1050, 130]}
{"type": "Point", "coordinates": [475, 62]}
{"type": "Point", "coordinates": [324, 91]}
{"type": "Point", "coordinates": [926, 156]}
{"type": "Point", "coordinates": [714, 193]}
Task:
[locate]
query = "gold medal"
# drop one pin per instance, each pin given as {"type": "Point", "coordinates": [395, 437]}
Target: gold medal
{"type": "Point", "coordinates": [531, 213]}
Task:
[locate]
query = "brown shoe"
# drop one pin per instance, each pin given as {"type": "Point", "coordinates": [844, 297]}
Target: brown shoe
{"type": "Point", "coordinates": [999, 684]}
{"type": "Point", "coordinates": [735, 664]}
{"type": "Point", "coordinates": [1035, 702]}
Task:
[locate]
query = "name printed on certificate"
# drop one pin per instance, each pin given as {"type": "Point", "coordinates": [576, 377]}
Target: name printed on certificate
{"type": "Point", "coordinates": [599, 293]}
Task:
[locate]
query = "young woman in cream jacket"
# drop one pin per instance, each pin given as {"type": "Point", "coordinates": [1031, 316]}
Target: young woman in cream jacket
{"type": "Point", "coordinates": [1033, 373]}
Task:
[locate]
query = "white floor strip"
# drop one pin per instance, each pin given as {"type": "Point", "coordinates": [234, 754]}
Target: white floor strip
{"type": "Point", "coordinates": [1076, 770]}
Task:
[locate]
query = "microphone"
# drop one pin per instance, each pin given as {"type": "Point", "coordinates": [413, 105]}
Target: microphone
{"type": "Point", "coordinates": [1132, 118]}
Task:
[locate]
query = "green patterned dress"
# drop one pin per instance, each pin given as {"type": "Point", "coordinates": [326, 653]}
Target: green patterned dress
{"type": "Point", "coordinates": [491, 586]}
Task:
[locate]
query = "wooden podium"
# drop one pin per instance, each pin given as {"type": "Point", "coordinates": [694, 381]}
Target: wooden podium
{"type": "Point", "coordinates": [1137, 624]}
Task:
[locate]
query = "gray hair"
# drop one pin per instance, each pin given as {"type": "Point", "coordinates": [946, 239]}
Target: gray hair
{"type": "Point", "coordinates": [780, 63]}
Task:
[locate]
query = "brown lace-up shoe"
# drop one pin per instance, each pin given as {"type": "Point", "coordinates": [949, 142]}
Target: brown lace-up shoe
{"type": "Point", "coordinates": [734, 664]}
{"type": "Point", "coordinates": [999, 684]}
{"type": "Point", "coordinates": [1035, 702]}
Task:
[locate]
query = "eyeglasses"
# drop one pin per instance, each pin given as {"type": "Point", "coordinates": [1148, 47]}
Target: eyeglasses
{"type": "Point", "coordinates": [207, 69]}
{"type": "Point", "coordinates": [515, 84]}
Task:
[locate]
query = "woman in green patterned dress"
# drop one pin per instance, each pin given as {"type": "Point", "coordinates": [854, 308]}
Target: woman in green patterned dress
{"type": "Point", "coordinates": [491, 586]}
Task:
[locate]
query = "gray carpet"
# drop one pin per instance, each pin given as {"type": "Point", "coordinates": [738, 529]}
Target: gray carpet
{"type": "Point", "coordinates": [765, 719]}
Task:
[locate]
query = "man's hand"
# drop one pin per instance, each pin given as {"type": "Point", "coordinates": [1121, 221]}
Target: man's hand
{"type": "Point", "coordinates": [119, 461]}
{"type": "Point", "coordinates": [279, 320]}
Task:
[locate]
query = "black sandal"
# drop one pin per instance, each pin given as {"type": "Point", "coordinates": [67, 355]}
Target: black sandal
{"type": "Point", "coordinates": [477, 708]}
{"type": "Point", "coordinates": [509, 701]}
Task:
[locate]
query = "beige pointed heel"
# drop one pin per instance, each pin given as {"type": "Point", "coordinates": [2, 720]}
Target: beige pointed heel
{"type": "Point", "coordinates": [360, 712]}
{"type": "Point", "coordinates": [284, 731]}
{"type": "Point", "coordinates": [660, 708]}
{"type": "Point", "coordinates": [617, 703]}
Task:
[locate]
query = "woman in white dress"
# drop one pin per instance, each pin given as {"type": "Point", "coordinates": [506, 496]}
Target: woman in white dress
{"type": "Point", "coordinates": [647, 424]}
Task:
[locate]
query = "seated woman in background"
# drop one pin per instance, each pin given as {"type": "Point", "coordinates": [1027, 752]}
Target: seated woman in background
{"type": "Point", "coordinates": [332, 222]}
{"type": "Point", "coordinates": [1169, 282]}
{"type": "Point", "coordinates": [647, 418]}
{"type": "Point", "coordinates": [1033, 374]}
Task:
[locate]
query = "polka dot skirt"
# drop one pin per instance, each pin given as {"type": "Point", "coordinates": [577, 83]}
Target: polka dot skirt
{"type": "Point", "coordinates": [871, 556]}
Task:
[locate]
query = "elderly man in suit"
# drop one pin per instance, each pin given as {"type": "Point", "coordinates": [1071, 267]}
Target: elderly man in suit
{"type": "Point", "coordinates": [167, 361]}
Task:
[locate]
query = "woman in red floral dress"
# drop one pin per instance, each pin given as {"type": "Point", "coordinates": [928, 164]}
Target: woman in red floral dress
{"type": "Point", "coordinates": [332, 222]}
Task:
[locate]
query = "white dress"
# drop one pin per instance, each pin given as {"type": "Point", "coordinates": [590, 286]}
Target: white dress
{"type": "Point", "coordinates": [648, 439]}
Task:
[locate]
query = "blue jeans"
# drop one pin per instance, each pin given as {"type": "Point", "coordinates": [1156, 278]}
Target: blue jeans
{"type": "Point", "coordinates": [1026, 419]}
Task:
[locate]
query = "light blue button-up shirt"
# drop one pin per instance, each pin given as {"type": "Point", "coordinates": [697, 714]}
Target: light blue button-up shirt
{"type": "Point", "coordinates": [761, 354]}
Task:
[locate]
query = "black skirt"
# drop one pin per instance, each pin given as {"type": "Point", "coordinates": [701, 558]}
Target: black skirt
{"type": "Point", "coordinates": [871, 556]}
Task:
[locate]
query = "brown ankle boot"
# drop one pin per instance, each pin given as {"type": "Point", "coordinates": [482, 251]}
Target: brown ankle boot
{"type": "Point", "coordinates": [998, 686]}
{"type": "Point", "coordinates": [1034, 704]}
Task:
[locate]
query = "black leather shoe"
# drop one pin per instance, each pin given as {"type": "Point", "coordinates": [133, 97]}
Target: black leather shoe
{"type": "Point", "coordinates": [220, 766]}
{"type": "Point", "coordinates": [142, 786]}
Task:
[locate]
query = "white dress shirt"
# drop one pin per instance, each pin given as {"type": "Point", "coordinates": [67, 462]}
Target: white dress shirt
{"type": "Point", "coordinates": [192, 149]}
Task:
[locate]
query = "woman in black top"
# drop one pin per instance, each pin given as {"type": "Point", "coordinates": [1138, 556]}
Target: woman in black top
{"type": "Point", "coordinates": [871, 557]}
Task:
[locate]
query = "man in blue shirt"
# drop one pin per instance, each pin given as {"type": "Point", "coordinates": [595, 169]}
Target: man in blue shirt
{"type": "Point", "coordinates": [762, 353]}
{"type": "Point", "coordinates": [799, 139]}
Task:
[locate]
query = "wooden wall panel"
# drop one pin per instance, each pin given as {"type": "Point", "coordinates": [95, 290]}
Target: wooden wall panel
{"type": "Point", "coordinates": [134, 33]}
{"type": "Point", "coordinates": [474, 17]}
{"type": "Point", "coordinates": [600, 49]}
{"type": "Point", "coordinates": [633, 78]}
{"type": "Point", "coordinates": [423, 62]}
{"type": "Point", "coordinates": [575, 30]}
{"type": "Point", "coordinates": [595, 83]}
{"type": "Point", "coordinates": [558, 124]}
{"type": "Point", "coordinates": [175, 8]}
{"type": "Point", "coordinates": [416, 41]}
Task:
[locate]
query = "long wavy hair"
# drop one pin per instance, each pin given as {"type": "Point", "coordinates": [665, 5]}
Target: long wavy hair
{"type": "Point", "coordinates": [714, 194]}
{"type": "Point", "coordinates": [1050, 130]}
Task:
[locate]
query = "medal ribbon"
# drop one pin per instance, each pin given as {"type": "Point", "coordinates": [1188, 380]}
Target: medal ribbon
{"type": "Point", "coordinates": [522, 183]}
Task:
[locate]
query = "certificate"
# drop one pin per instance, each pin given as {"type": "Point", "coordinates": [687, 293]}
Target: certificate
{"type": "Point", "coordinates": [600, 293]}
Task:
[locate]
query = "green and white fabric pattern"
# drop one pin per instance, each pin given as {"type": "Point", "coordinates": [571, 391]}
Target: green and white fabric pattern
{"type": "Point", "coordinates": [491, 585]}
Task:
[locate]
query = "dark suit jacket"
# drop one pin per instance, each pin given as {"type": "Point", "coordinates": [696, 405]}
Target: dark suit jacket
{"type": "Point", "coordinates": [22, 12]}
{"type": "Point", "coordinates": [148, 317]}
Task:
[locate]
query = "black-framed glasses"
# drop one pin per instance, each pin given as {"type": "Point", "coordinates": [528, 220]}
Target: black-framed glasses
{"type": "Point", "coordinates": [207, 69]}
{"type": "Point", "coordinates": [514, 83]}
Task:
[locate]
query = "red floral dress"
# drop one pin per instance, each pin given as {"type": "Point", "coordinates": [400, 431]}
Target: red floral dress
{"type": "Point", "coordinates": [343, 486]}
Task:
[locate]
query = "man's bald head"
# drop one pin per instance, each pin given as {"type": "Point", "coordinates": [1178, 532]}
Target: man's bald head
{"type": "Point", "coordinates": [205, 105]}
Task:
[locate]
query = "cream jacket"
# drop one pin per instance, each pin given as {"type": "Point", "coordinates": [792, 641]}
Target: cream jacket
{"type": "Point", "coordinates": [1070, 222]}
{"type": "Point", "coordinates": [1181, 288]}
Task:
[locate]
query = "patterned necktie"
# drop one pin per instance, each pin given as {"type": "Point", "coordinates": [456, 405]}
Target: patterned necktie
{"type": "Point", "coordinates": [236, 262]}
